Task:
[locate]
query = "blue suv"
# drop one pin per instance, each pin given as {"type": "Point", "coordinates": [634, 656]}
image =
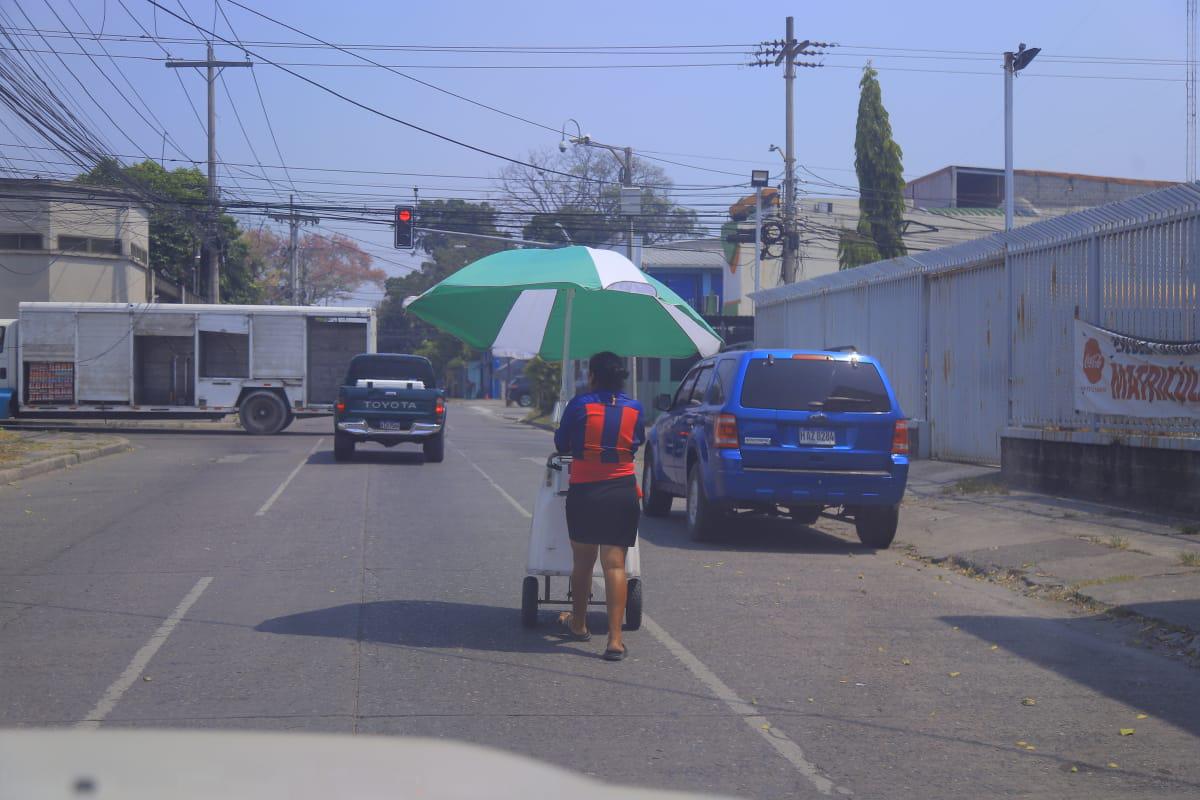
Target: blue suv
{"type": "Point", "coordinates": [792, 431]}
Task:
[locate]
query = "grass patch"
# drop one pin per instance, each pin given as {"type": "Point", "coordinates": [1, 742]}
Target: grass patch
{"type": "Point", "coordinates": [12, 447]}
{"type": "Point", "coordinates": [539, 420]}
{"type": "Point", "coordinates": [1189, 528]}
{"type": "Point", "coordinates": [1104, 581]}
{"type": "Point", "coordinates": [1190, 559]}
{"type": "Point", "coordinates": [987, 484]}
{"type": "Point", "coordinates": [1116, 542]}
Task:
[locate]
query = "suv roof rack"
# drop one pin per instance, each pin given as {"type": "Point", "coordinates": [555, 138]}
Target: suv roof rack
{"type": "Point", "coordinates": [737, 346]}
{"type": "Point", "coordinates": [845, 348]}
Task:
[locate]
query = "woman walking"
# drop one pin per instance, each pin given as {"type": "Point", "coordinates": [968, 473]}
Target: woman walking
{"type": "Point", "coordinates": [601, 429]}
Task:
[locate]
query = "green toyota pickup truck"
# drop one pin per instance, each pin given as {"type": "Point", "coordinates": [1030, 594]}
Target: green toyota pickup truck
{"type": "Point", "coordinates": [389, 398]}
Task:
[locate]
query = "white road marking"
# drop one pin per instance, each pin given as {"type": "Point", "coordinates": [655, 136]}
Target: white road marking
{"type": "Point", "coordinates": [140, 659]}
{"type": "Point", "coordinates": [783, 744]}
{"type": "Point", "coordinates": [271, 500]}
{"type": "Point", "coordinates": [512, 500]}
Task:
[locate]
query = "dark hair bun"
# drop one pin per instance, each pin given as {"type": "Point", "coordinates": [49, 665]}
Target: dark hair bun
{"type": "Point", "coordinates": [610, 371]}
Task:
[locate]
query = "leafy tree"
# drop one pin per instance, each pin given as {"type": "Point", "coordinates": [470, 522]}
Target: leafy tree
{"type": "Point", "coordinates": [588, 203]}
{"type": "Point", "coordinates": [545, 383]}
{"type": "Point", "coordinates": [877, 160]}
{"type": "Point", "coordinates": [331, 267]}
{"type": "Point", "coordinates": [178, 210]}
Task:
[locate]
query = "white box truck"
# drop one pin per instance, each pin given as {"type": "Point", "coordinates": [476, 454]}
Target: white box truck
{"type": "Point", "coordinates": [268, 364]}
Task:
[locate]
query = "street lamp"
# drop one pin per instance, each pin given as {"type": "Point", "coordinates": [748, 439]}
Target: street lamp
{"type": "Point", "coordinates": [631, 197]}
{"type": "Point", "coordinates": [1013, 63]}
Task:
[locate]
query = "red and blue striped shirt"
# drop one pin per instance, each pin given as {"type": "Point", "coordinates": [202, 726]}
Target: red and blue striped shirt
{"type": "Point", "coordinates": [601, 431]}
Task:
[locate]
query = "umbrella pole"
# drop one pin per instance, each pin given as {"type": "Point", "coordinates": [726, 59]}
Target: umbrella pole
{"type": "Point", "coordinates": [564, 392]}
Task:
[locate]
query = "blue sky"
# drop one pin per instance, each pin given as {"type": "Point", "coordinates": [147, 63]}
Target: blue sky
{"type": "Point", "coordinates": [720, 118]}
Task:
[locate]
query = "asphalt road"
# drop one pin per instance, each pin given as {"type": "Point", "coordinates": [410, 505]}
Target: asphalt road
{"type": "Point", "coordinates": [217, 580]}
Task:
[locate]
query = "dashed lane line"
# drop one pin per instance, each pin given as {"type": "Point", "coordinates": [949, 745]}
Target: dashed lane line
{"type": "Point", "coordinates": [275, 495]}
{"type": "Point", "coordinates": [140, 659]}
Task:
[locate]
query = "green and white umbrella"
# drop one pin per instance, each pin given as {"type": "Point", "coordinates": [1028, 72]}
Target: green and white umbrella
{"type": "Point", "coordinates": [572, 300]}
{"type": "Point", "coordinates": [569, 301]}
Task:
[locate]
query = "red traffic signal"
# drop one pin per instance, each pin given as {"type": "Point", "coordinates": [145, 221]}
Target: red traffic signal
{"type": "Point", "coordinates": [404, 218]}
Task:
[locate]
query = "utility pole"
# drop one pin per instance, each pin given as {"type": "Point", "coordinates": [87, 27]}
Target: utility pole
{"type": "Point", "coordinates": [774, 53]}
{"type": "Point", "coordinates": [212, 267]}
{"type": "Point", "coordinates": [294, 221]}
{"type": "Point", "coordinates": [1013, 63]}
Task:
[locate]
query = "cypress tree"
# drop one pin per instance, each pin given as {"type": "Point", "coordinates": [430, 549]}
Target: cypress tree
{"type": "Point", "coordinates": [877, 160]}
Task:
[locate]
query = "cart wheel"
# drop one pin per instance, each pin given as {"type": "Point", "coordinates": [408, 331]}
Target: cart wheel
{"type": "Point", "coordinates": [529, 602]}
{"type": "Point", "coordinates": [633, 605]}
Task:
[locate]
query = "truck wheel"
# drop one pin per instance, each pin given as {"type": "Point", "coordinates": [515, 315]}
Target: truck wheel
{"type": "Point", "coordinates": [529, 602]}
{"type": "Point", "coordinates": [876, 525]}
{"type": "Point", "coordinates": [263, 413]}
{"type": "Point", "coordinates": [435, 448]}
{"type": "Point", "coordinates": [703, 520]}
{"type": "Point", "coordinates": [655, 502]}
{"type": "Point", "coordinates": [633, 605]}
{"type": "Point", "coordinates": [343, 446]}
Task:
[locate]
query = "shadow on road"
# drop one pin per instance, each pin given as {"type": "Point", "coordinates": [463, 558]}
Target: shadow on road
{"type": "Point", "coordinates": [324, 458]}
{"type": "Point", "coordinates": [425, 623]}
{"type": "Point", "coordinates": [751, 534]}
{"type": "Point", "coordinates": [1142, 680]}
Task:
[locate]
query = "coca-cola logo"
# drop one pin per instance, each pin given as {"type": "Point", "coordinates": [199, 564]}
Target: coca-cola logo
{"type": "Point", "coordinates": [1093, 361]}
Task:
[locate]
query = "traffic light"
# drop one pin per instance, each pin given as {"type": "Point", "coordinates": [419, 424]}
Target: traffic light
{"type": "Point", "coordinates": [404, 220]}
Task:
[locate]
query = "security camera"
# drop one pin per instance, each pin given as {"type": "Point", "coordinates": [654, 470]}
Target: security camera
{"type": "Point", "coordinates": [562, 145]}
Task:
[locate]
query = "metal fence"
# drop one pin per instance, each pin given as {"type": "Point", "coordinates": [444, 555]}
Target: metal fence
{"type": "Point", "coordinates": [978, 337]}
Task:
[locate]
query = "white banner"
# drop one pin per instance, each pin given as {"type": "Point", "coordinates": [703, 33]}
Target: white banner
{"type": "Point", "coordinates": [1118, 374]}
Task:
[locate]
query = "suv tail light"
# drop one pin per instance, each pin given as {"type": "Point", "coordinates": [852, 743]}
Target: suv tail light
{"type": "Point", "coordinates": [900, 438]}
{"type": "Point", "coordinates": [725, 434]}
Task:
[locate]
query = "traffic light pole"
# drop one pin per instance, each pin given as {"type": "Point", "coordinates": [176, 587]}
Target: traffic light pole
{"type": "Point", "coordinates": [212, 264]}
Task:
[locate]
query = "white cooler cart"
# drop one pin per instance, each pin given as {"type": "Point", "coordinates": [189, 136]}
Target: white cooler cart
{"type": "Point", "coordinates": [550, 552]}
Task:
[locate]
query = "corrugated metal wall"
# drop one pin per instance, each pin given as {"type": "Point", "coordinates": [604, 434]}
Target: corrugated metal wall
{"type": "Point", "coordinates": [978, 337]}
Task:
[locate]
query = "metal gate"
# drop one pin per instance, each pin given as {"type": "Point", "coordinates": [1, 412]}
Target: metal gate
{"type": "Point", "coordinates": [968, 396]}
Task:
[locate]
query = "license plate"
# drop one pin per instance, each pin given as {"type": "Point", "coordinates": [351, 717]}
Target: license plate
{"type": "Point", "coordinates": [392, 425]}
{"type": "Point", "coordinates": [817, 437]}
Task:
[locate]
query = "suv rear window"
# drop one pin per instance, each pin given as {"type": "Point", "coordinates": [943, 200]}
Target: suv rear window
{"type": "Point", "coordinates": [813, 384]}
{"type": "Point", "coordinates": [390, 368]}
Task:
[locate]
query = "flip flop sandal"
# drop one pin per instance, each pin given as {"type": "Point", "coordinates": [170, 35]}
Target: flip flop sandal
{"type": "Point", "coordinates": [616, 655]}
{"type": "Point", "coordinates": [565, 622]}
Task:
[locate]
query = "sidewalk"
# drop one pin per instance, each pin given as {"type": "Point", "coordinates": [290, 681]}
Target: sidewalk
{"type": "Point", "coordinates": [1101, 556]}
{"type": "Point", "coordinates": [26, 453]}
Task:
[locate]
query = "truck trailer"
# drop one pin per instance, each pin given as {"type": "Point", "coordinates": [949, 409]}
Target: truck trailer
{"type": "Point", "coordinates": [267, 364]}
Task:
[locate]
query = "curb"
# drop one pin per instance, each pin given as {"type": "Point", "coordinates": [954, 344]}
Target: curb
{"type": "Point", "coordinates": [1062, 591]}
{"type": "Point", "coordinates": [55, 463]}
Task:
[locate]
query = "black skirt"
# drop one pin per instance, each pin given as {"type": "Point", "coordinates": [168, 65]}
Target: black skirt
{"type": "Point", "coordinates": [604, 512]}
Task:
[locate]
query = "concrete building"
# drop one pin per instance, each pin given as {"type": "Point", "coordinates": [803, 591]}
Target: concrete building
{"type": "Point", "coordinates": [955, 204]}
{"type": "Point", "coordinates": [63, 241]}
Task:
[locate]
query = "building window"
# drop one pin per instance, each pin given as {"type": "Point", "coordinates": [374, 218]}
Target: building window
{"type": "Point", "coordinates": [20, 241]}
{"type": "Point", "coordinates": [85, 244]}
{"type": "Point", "coordinates": [138, 254]}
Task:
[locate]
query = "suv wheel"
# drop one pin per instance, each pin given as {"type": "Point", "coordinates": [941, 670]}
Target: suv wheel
{"type": "Point", "coordinates": [655, 502]}
{"type": "Point", "coordinates": [703, 518]}
{"type": "Point", "coordinates": [805, 515]}
{"type": "Point", "coordinates": [876, 525]}
{"type": "Point", "coordinates": [525, 400]}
